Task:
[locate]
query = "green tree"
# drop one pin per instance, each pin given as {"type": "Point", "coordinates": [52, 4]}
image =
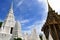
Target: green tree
{"type": "Point", "coordinates": [18, 39]}
{"type": "Point", "coordinates": [40, 36]}
{"type": "Point", "coordinates": [1, 24]}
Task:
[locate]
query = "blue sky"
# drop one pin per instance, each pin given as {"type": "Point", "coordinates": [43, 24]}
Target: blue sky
{"type": "Point", "coordinates": [31, 13]}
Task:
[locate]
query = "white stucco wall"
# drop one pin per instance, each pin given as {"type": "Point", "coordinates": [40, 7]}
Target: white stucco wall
{"type": "Point", "coordinates": [4, 36]}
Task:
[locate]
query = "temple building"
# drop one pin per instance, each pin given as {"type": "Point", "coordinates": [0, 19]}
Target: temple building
{"type": "Point", "coordinates": [52, 24]}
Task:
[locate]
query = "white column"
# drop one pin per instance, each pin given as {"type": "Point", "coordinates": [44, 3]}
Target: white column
{"type": "Point", "coordinates": [44, 37]}
{"type": "Point", "coordinates": [50, 37]}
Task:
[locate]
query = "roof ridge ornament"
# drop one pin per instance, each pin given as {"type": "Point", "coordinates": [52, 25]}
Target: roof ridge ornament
{"type": "Point", "coordinates": [49, 7]}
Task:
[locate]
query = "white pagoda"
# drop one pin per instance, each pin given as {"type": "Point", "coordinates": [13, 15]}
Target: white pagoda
{"type": "Point", "coordinates": [34, 35]}
{"type": "Point", "coordinates": [10, 28]}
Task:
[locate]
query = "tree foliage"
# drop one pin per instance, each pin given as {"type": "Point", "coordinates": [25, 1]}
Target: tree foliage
{"type": "Point", "coordinates": [40, 37]}
{"type": "Point", "coordinates": [18, 39]}
{"type": "Point", "coordinates": [1, 24]}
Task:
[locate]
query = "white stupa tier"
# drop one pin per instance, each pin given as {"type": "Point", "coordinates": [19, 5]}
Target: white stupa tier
{"type": "Point", "coordinates": [25, 36]}
{"type": "Point", "coordinates": [34, 35]}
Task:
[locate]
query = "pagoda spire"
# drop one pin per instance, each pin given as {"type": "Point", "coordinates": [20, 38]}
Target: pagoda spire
{"type": "Point", "coordinates": [11, 13]}
{"type": "Point", "coordinates": [11, 8]}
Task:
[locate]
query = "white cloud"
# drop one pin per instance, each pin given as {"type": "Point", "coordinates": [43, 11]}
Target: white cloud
{"type": "Point", "coordinates": [25, 21]}
{"type": "Point", "coordinates": [20, 3]}
{"type": "Point", "coordinates": [27, 31]}
{"type": "Point", "coordinates": [38, 25]}
{"type": "Point", "coordinates": [44, 2]}
{"type": "Point", "coordinates": [41, 0]}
